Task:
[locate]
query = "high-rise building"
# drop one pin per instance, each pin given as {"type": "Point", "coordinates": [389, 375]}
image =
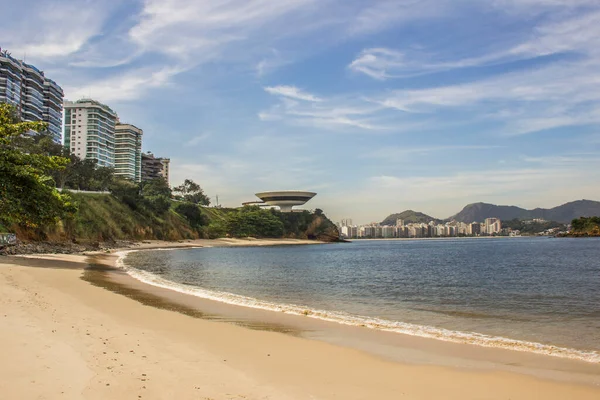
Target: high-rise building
{"type": "Point", "coordinates": [492, 225]}
{"type": "Point", "coordinates": [53, 108]}
{"type": "Point", "coordinates": [474, 228]}
{"type": "Point", "coordinates": [154, 167]}
{"type": "Point", "coordinates": [90, 131]}
{"type": "Point", "coordinates": [165, 171]}
{"type": "Point", "coordinates": [128, 151]}
{"type": "Point", "coordinates": [36, 97]}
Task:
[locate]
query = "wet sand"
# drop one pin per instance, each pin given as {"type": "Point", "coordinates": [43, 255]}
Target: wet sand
{"type": "Point", "coordinates": [70, 332]}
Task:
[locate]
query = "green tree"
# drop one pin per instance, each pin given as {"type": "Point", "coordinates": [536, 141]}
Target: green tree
{"type": "Point", "coordinates": [27, 191]}
{"type": "Point", "coordinates": [253, 221]}
{"type": "Point", "coordinates": [191, 212]}
{"type": "Point", "coordinates": [191, 192]}
{"type": "Point", "coordinates": [127, 192]}
{"type": "Point", "coordinates": [157, 195]}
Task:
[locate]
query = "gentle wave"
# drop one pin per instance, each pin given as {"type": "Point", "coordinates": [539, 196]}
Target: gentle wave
{"type": "Point", "coordinates": [356, 320]}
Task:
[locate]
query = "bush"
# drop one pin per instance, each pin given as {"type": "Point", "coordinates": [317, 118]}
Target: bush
{"type": "Point", "coordinates": [191, 212]}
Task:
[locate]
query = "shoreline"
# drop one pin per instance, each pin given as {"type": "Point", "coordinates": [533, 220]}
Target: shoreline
{"type": "Point", "coordinates": [313, 357]}
{"type": "Point", "coordinates": [377, 324]}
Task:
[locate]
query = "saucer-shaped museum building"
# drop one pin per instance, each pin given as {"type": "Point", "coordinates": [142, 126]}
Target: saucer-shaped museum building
{"type": "Point", "coordinates": [284, 199]}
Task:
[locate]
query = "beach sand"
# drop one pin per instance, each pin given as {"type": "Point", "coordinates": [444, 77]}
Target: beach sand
{"type": "Point", "coordinates": [63, 337]}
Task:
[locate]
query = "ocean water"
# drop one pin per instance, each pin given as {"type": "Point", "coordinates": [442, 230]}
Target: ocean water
{"type": "Point", "coordinates": [528, 294]}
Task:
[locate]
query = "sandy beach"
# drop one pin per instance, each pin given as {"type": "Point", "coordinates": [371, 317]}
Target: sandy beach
{"type": "Point", "coordinates": [69, 333]}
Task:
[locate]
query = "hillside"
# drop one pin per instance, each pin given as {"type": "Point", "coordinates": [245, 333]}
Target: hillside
{"type": "Point", "coordinates": [564, 213]}
{"type": "Point", "coordinates": [583, 227]}
{"type": "Point", "coordinates": [409, 216]}
{"type": "Point", "coordinates": [104, 219]}
{"type": "Point", "coordinates": [478, 212]}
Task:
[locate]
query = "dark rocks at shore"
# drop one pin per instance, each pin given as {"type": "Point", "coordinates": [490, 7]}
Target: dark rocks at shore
{"type": "Point", "coordinates": [578, 235]}
{"type": "Point", "coordinates": [60, 247]}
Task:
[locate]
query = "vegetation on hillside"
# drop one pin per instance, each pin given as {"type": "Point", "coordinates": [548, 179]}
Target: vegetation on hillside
{"type": "Point", "coordinates": [530, 227]}
{"type": "Point", "coordinates": [254, 221]}
{"type": "Point", "coordinates": [28, 197]}
{"type": "Point", "coordinates": [103, 218]}
{"type": "Point", "coordinates": [409, 216]}
{"type": "Point", "coordinates": [583, 226]}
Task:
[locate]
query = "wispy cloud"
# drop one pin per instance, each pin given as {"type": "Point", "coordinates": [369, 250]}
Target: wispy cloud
{"type": "Point", "coordinates": [272, 61]}
{"type": "Point", "coordinates": [326, 113]}
{"type": "Point", "coordinates": [382, 14]}
{"type": "Point", "coordinates": [129, 86]}
{"type": "Point", "coordinates": [383, 63]}
{"type": "Point", "coordinates": [185, 28]}
{"type": "Point", "coordinates": [44, 30]}
{"type": "Point", "coordinates": [292, 92]}
{"type": "Point", "coordinates": [196, 140]}
{"type": "Point", "coordinates": [391, 153]}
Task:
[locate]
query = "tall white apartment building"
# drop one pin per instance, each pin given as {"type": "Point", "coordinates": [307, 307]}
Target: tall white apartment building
{"type": "Point", "coordinates": [128, 151]}
{"type": "Point", "coordinates": [492, 225]}
{"type": "Point", "coordinates": [36, 97]}
{"type": "Point", "coordinates": [90, 131]}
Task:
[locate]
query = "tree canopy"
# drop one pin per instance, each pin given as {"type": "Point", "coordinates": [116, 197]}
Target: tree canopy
{"type": "Point", "coordinates": [191, 192]}
{"type": "Point", "coordinates": [27, 190]}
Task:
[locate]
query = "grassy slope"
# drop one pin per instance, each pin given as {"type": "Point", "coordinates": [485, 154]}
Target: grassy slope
{"type": "Point", "coordinates": [104, 218]}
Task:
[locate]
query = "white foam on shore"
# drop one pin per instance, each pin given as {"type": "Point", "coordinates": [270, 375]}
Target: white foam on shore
{"type": "Point", "coordinates": [356, 320]}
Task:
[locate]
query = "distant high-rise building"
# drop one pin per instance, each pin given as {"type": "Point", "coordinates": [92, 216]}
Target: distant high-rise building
{"type": "Point", "coordinates": [155, 167]}
{"type": "Point", "coordinates": [166, 165]}
{"type": "Point", "coordinates": [128, 151]}
{"type": "Point", "coordinates": [35, 97]}
{"type": "Point", "coordinates": [53, 108]}
{"type": "Point", "coordinates": [90, 131]}
{"type": "Point", "coordinates": [492, 225]}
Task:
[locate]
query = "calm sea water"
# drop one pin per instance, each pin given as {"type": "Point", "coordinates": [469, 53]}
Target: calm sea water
{"type": "Point", "coordinates": [530, 294]}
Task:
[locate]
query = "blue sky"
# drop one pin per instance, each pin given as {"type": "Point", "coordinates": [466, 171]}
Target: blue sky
{"type": "Point", "coordinates": [379, 106]}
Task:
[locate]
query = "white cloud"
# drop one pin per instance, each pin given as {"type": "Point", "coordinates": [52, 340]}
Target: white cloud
{"type": "Point", "coordinates": [579, 33]}
{"type": "Point", "coordinates": [129, 86]}
{"type": "Point", "coordinates": [325, 113]}
{"type": "Point", "coordinates": [187, 27]}
{"type": "Point", "coordinates": [47, 30]}
{"type": "Point", "coordinates": [564, 93]}
{"type": "Point", "coordinates": [380, 15]}
{"type": "Point", "coordinates": [292, 92]}
{"type": "Point", "coordinates": [376, 62]}
{"type": "Point", "coordinates": [384, 63]}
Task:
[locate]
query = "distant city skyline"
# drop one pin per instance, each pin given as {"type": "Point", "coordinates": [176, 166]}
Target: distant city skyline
{"type": "Point", "coordinates": [380, 106]}
{"type": "Point", "coordinates": [429, 229]}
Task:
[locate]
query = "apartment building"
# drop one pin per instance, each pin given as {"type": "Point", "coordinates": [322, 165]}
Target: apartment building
{"type": "Point", "coordinates": [128, 151]}
{"type": "Point", "coordinates": [36, 97]}
{"type": "Point", "coordinates": [155, 167]}
{"type": "Point", "coordinates": [90, 131]}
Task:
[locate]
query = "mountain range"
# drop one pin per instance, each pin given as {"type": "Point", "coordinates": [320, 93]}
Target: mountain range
{"type": "Point", "coordinates": [480, 211]}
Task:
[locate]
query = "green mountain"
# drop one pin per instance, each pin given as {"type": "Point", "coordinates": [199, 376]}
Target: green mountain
{"type": "Point", "coordinates": [564, 213]}
{"type": "Point", "coordinates": [409, 216]}
{"type": "Point", "coordinates": [477, 212]}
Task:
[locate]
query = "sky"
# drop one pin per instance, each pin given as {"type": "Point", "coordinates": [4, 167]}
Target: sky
{"type": "Point", "coordinates": [378, 106]}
